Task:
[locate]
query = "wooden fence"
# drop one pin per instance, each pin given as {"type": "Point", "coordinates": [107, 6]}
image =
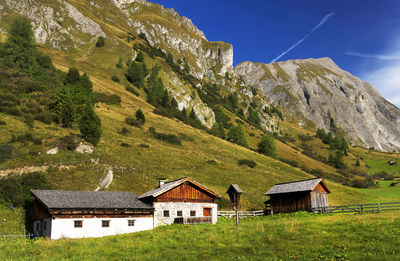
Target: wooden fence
{"type": "Point", "coordinates": [378, 207]}
{"type": "Point", "coordinates": [4, 237]}
{"type": "Point", "coordinates": [242, 214]}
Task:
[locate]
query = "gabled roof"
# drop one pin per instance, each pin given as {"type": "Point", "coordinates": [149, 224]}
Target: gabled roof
{"type": "Point", "coordinates": [63, 199]}
{"type": "Point", "coordinates": [236, 188]}
{"type": "Point", "coordinates": [297, 186]}
{"type": "Point", "coordinates": [172, 184]}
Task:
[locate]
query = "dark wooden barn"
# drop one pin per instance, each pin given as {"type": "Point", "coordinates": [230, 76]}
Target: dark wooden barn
{"type": "Point", "coordinates": [306, 195]}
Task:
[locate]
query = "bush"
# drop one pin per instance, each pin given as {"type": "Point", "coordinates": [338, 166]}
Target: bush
{"type": "Point", "coordinates": [290, 162]}
{"type": "Point", "coordinates": [363, 183]}
{"type": "Point", "coordinates": [393, 184]}
{"type": "Point", "coordinates": [100, 42]}
{"type": "Point", "coordinates": [3, 123]}
{"type": "Point", "coordinates": [132, 122]}
{"type": "Point", "coordinates": [248, 163]}
{"type": "Point", "coordinates": [115, 78]}
{"type": "Point", "coordinates": [107, 98]}
{"type": "Point", "coordinates": [17, 188]}
{"type": "Point", "coordinates": [132, 90]}
{"type": "Point", "coordinates": [126, 145]}
{"type": "Point", "coordinates": [28, 137]}
{"type": "Point", "coordinates": [69, 143]}
{"type": "Point", "coordinates": [140, 117]}
{"type": "Point", "coordinates": [125, 130]}
{"type": "Point", "coordinates": [145, 146]}
{"type": "Point", "coordinates": [6, 152]}
{"type": "Point", "coordinates": [212, 162]}
{"type": "Point", "coordinates": [170, 138]}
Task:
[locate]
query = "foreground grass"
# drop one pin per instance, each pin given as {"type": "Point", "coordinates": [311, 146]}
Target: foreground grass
{"type": "Point", "coordinates": [299, 236]}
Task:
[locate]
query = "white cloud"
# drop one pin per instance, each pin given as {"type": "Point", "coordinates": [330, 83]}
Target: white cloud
{"type": "Point", "coordinates": [322, 22]}
{"type": "Point", "coordinates": [387, 81]}
{"type": "Point", "coordinates": [384, 57]}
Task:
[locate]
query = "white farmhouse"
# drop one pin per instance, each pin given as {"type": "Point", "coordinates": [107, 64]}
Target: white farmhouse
{"type": "Point", "coordinates": [78, 214]}
{"type": "Point", "coordinates": [182, 201]}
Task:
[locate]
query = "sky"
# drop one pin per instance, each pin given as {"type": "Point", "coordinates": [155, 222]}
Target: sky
{"type": "Point", "coordinates": [361, 36]}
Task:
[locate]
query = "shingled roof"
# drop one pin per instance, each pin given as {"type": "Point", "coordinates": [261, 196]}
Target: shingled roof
{"type": "Point", "coordinates": [170, 185]}
{"type": "Point", "coordinates": [297, 186]}
{"type": "Point", "coordinates": [62, 199]}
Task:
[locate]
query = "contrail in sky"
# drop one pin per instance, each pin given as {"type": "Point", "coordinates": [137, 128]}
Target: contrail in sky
{"type": "Point", "coordinates": [323, 21]}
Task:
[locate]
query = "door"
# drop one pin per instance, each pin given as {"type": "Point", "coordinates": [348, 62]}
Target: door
{"type": "Point", "coordinates": [206, 212]}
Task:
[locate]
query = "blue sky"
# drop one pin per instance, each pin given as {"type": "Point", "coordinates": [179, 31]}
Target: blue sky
{"type": "Point", "coordinates": [361, 36]}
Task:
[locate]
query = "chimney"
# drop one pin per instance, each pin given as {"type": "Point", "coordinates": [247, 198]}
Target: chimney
{"type": "Point", "coordinates": [161, 182]}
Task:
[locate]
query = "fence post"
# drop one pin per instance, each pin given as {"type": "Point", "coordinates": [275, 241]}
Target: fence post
{"type": "Point", "coordinates": [379, 207]}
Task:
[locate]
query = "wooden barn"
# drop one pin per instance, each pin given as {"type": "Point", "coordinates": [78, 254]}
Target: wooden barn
{"type": "Point", "coordinates": [303, 195]}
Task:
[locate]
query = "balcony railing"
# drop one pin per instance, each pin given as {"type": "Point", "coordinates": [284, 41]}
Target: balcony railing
{"type": "Point", "coordinates": [193, 220]}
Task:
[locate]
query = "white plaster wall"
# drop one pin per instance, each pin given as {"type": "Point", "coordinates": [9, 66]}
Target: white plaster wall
{"type": "Point", "coordinates": [92, 227]}
{"type": "Point", "coordinates": [173, 207]}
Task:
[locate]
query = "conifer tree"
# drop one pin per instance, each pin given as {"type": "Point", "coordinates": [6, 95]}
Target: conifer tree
{"type": "Point", "coordinates": [237, 135]}
{"type": "Point", "coordinates": [90, 125]}
{"type": "Point", "coordinates": [267, 145]}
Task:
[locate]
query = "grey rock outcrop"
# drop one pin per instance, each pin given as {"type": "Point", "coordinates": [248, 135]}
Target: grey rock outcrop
{"type": "Point", "coordinates": [330, 97]}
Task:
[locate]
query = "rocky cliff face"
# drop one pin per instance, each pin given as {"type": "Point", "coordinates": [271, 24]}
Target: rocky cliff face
{"type": "Point", "coordinates": [332, 98]}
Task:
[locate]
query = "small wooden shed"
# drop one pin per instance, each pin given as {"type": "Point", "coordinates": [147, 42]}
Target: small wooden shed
{"type": "Point", "coordinates": [305, 195]}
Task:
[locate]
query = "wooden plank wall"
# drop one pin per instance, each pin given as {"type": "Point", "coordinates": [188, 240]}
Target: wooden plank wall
{"type": "Point", "coordinates": [185, 192]}
{"type": "Point", "coordinates": [291, 202]}
{"type": "Point", "coordinates": [40, 211]}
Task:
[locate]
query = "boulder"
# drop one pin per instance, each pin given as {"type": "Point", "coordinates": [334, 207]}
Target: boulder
{"type": "Point", "coordinates": [84, 148]}
{"type": "Point", "coordinates": [52, 151]}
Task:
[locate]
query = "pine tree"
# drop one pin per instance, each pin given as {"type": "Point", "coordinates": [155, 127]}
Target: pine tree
{"type": "Point", "coordinates": [19, 49]}
{"type": "Point", "coordinates": [90, 125]}
{"type": "Point", "coordinates": [192, 115]}
{"type": "Point", "coordinates": [73, 76]}
{"type": "Point", "coordinates": [218, 130]}
{"type": "Point", "coordinates": [155, 87]}
{"type": "Point", "coordinates": [267, 145]}
{"type": "Point", "coordinates": [139, 57]}
{"type": "Point", "coordinates": [120, 63]}
{"type": "Point", "coordinates": [136, 74]}
{"type": "Point", "coordinates": [237, 135]}
{"type": "Point", "coordinates": [67, 111]}
{"type": "Point", "coordinates": [100, 42]}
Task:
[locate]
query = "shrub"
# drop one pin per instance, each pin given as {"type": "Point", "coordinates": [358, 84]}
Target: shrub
{"type": "Point", "coordinates": [100, 42]}
{"type": "Point", "coordinates": [290, 162]}
{"type": "Point", "coordinates": [125, 130]}
{"type": "Point", "coordinates": [139, 57]}
{"type": "Point", "coordinates": [115, 78]}
{"type": "Point", "coordinates": [140, 117]}
{"type": "Point", "coordinates": [69, 143]}
{"type": "Point", "coordinates": [212, 162]}
{"type": "Point", "coordinates": [29, 121]}
{"type": "Point", "coordinates": [28, 137]}
{"type": "Point", "coordinates": [120, 63]}
{"type": "Point", "coordinates": [170, 138]}
{"type": "Point", "coordinates": [363, 183]}
{"type": "Point", "coordinates": [249, 163]}
{"type": "Point", "coordinates": [132, 90]}
{"type": "Point", "coordinates": [126, 145]}
{"type": "Point", "coordinates": [393, 184]}
{"type": "Point", "coordinates": [132, 122]}
{"type": "Point", "coordinates": [145, 146]}
{"type": "Point", "coordinates": [6, 152]}
{"type": "Point", "coordinates": [107, 98]}
{"type": "Point", "coordinates": [3, 123]}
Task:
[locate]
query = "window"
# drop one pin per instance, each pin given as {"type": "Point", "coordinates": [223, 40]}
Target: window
{"type": "Point", "coordinates": [192, 213]}
{"type": "Point", "coordinates": [131, 223]}
{"type": "Point", "coordinates": [179, 213]}
{"type": "Point", "coordinates": [105, 223]}
{"type": "Point", "coordinates": [77, 223]}
{"type": "Point", "coordinates": [45, 225]}
{"type": "Point", "coordinates": [37, 226]}
{"type": "Point", "coordinates": [166, 213]}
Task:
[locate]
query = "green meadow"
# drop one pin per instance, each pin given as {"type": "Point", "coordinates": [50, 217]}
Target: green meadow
{"type": "Point", "coordinates": [299, 236]}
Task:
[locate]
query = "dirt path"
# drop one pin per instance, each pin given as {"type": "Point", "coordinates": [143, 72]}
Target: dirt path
{"type": "Point", "coordinates": [31, 169]}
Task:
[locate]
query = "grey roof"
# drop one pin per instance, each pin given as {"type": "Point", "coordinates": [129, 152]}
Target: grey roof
{"type": "Point", "coordinates": [236, 188]}
{"type": "Point", "coordinates": [298, 186]}
{"type": "Point", "coordinates": [62, 199]}
{"type": "Point", "coordinates": [170, 185]}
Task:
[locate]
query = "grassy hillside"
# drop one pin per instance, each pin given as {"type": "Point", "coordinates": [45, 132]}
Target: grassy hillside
{"type": "Point", "coordinates": [299, 236]}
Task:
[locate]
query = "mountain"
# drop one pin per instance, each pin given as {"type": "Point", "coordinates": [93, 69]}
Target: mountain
{"type": "Point", "coordinates": [318, 90]}
{"type": "Point", "coordinates": [106, 39]}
